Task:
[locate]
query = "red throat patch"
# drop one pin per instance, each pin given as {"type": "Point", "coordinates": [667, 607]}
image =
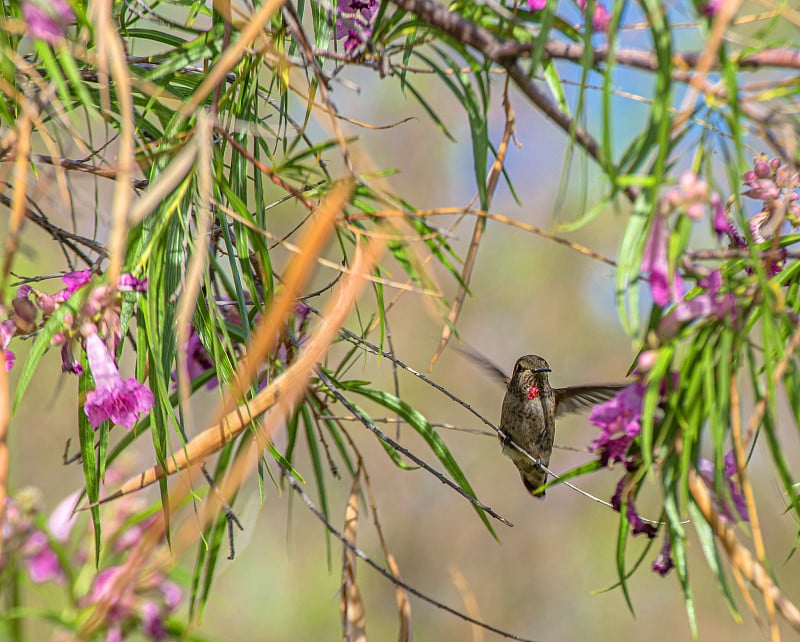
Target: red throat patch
{"type": "Point", "coordinates": [533, 391]}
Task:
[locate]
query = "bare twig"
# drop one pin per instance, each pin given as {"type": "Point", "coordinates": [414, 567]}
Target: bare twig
{"type": "Point", "coordinates": [387, 574]}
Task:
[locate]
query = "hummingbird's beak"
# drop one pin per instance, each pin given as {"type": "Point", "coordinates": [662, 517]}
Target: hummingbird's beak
{"type": "Point", "coordinates": [543, 370]}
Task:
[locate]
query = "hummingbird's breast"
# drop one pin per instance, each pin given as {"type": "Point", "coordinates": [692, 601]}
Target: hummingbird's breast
{"type": "Point", "coordinates": [528, 418]}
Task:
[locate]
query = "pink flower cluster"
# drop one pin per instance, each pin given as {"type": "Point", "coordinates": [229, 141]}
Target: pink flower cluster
{"type": "Point", "coordinates": [355, 20]}
{"type": "Point", "coordinates": [118, 400]}
{"type": "Point", "coordinates": [60, 553]}
{"type": "Point", "coordinates": [691, 198]}
{"type": "Point", "coordinates": [47, 19]}
{"type": "Point", "coordinates": [619, 420]}
{"type": "Point", "coordinates": [200, 361]}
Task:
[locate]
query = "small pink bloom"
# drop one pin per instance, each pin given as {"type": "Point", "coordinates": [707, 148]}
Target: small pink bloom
{"type": "Point", "coordinates": [113, 399]}
{"type": "Point", "coordinates": [76, 280]}
{"type": "Point", "coordinates": [47, 19]}
{"type": "Point", "coordinates": [537, 5]}
{"type": "Point", "coordinates": [655, 261]}
{"type": "Point", "coordinates": [663, 563]}
{"type": "Point", "coordinates": [355, 21]}
{"type": "Point", "coordinates": [129, 283]}
{"type": "Point", "coordinates": [710, 8]}
{"type": "Point", "coordinates": [646, 360]}
{"type": "Point", "coordinates": [41, 560]}
{"type": "Point", "coordinates": [63, 517]}
{"type": "Point", "coordinates": [601, 19]}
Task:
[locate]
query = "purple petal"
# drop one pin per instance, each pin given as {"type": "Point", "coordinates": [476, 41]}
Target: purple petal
{"type": "Point", "coordinates": [656, 263]}
{"type": "Point", "coordinates": [42, 562]}
{"type": "Point", "coordinates": [48, 22]}
{"type": "Point", "coordinates": [120, 403]}
{"type": "Point", "coordinates": [152, 622]}
{"type": "Point", "coordinates": [76, 280]}
{"type": "Point", "coordinates": [601, 19]}
{"type": "Point", "coordinates": [129, 283]}
{"type": "Point", "coordinates": [172, 594]}
{"type": "Point", "coordinates": [663, 563]}
{"type": "Point", "coordinates": [639, 525]}
{"type": "Point", "coordinates": [113, 399]}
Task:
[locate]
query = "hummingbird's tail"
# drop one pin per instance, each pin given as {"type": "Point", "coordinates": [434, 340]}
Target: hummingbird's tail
{"type": "Point", "coordinates": [532, 485]}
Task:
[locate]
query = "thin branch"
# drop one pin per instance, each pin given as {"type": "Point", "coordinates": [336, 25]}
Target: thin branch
{"type": "Point", "coordinates": [385, 438]}
{"type": "Point", "coordinates": [506, 54]}
{"type": "Point", "coordinates": [388, 575]}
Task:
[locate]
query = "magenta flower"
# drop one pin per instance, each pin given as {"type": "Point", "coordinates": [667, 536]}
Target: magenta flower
{"type": "Point", "coordinates": [710, 8]}
{"type": "Point", "coordinates": [355, 21]}
{"type": "Point", "coordinates": [705, 468]}
{"type": "Point", "coordinates": [76, 280]}
{"type": "Point", "coordinates": [619, 418]}
{"type": "Point", "coordinates": [601, 17]}
{"type": "Point", "coordinates": [198, 360]}
{"type": "Point", "coordinates": [655, 262]}
{"type": "Point", "coordinates": [41, 560]}
{"type": "Point", "coordinates": [47, 19]}
{"type": "Point", "coordinates": [129, 283]}
{"type": "Point", "coordinates": [148, 605]}
{"type": "Point", "coordinates": [709, 304]}
{"type": "Point", "coordinates": [634, 519]}
{"type": "Point", "coordinates": [663, 563]}
{"type": "Point", "coordinates": [113, 398]}
{"type": "Point", "coordinates": [639, 525]}
{"type": "Point", "coordinates": [7, 331]}
{"type": "Point", "coordinates": [731, 470]}
{"type": "Point", "coordinates": [537, 5]}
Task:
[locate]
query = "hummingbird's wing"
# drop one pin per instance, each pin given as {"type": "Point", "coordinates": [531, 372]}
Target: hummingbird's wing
{"type": "Point", "coordinates": [485, 363]}
{"type": "Point", "coordinates": [578, 398]}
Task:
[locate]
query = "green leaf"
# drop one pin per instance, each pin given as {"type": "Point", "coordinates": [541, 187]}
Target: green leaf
{"type": "Point", "coordinates": [428, 433]}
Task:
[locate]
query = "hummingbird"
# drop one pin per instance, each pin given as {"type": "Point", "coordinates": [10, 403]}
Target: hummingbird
{"type": "Point", "coordinates": [530, 408]}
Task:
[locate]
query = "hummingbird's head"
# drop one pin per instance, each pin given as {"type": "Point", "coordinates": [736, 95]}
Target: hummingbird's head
{"type": "Point", "coordinates": [530, 370]}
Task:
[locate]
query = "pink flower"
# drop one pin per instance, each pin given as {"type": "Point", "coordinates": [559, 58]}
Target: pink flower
{"type": "Point", "coordinates": [663, 563]}
{"type": "Point", "coordinates": [655, 261]}
{"type": "Point", "coordinates": [601, 17]}
{"type": "Point", "coordinates": [63, 517]}
{"type": "Point", "coordinates": [47, 19]}
{"type": "Point", "coordinates": [198, 360]}
{"type": "Point", "coordinates": [709, 304]}
{"type": "Point", "coordinates": [113, 399]}
{"type": "Point", "coordinates": [7, 331]}
{"type": "Point", "coordinates": [619, 418]}
{"type": "Point", "coordinates": [76, 280]}
{"type": "Point", "coordinates": [710, 8]}
{"type": "Point", "coordinates": [41, 560]}
{"type": "Point", "coordinates": [633, 517]}
{"type": "Point", "coordinates": [537, 5]}
{"type": "Point", "coordinates": [129, 283]}
{"type": "Point", "coordinates": [706, 469]}
{"type": "Point", "coordinates": [355, 21]}
{"type": "Point", "coordinates": [147, 605]}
